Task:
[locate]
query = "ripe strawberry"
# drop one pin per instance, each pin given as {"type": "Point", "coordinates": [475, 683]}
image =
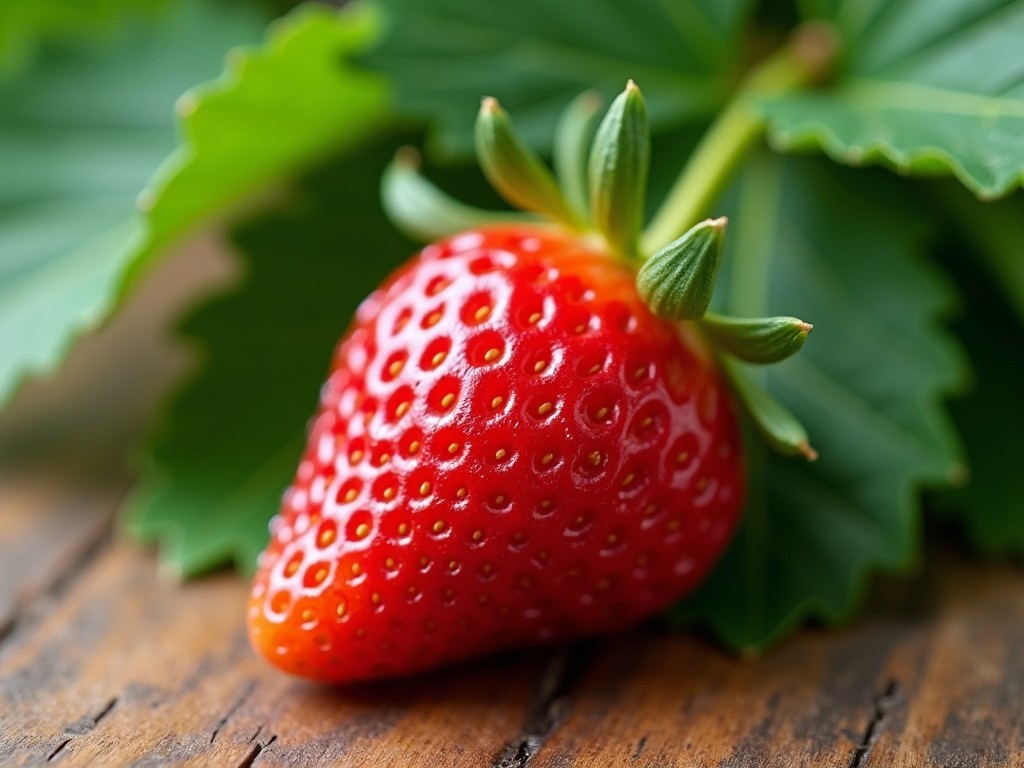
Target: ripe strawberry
{"type": "Point", "coordinates": [510, 449]}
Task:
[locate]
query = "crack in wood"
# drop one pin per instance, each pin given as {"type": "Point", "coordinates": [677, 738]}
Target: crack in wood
{"type": "Point", "coordinates": [81, 727]}
{"type": "Point", "coordinates": [255, 752]}
{"type": "Point", "coordinates": [103, 712]}
{"type": "Point", "coordinates": [249, 687]}
{"type": "Point", "coordinates": [57, 751]}
{"type": "Point", "coordinates": [550, 705]}
{"type": "Point", "coordinates": [885, 702]}
{"type": "Point", "coordinates": [639, 748]}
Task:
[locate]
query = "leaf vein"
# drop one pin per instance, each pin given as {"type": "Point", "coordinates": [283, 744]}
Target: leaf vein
{"type": "Point", "coordinates": [877, 93]}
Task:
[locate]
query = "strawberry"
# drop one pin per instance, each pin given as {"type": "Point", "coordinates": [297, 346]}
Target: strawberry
{"type": "Point", "coordinates": [511, 448]}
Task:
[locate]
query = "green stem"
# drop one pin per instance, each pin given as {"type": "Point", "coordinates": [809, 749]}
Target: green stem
{"type": "Point", "coordinates": [805, 59]}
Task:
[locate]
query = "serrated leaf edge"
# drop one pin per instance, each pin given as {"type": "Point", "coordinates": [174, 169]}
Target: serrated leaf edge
{"type": "Point", "coordinates": [815, 134]}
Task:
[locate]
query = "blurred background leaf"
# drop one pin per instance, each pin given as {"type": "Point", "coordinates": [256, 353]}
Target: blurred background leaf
{"type": "Point", "coordinates": [536, 56]}
{"type": "Point", "coordinates": [983, 249]}
{"type": "Point", "coordinates": [80, 132]}
{"type": "Point", "coordinates": [993, 233]}
{"type": "Point", "coordinates": [25, 25]}
{"type": "Point", "coordinates": [276, 109]}
{"type": "Point", "coordinates": [232, 437]}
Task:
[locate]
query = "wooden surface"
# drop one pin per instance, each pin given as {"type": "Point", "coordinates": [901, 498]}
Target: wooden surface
{"type": "Point", "coordinates": [103, 662]}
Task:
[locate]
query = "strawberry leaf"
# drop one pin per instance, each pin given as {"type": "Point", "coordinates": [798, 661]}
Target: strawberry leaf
{"type": "Point", "coordinates": [815, 241]}
{"type": "Point", "coordinates": [536, 56]}
{"type": "Point", "coordinates": [994, 232]}
{"type": "Point", "coordinates": [27, 24]}
{"type": "Point", "coordinates": [991, 506]}
{"type": "Point", "coordinates": [276, 109]}
{"type": "Point", "coordinates": [79, 134]}
{"type": "Point", "coordinates": [924, 88]}
{"type": "Point", "coordinates": [991, 327]}
{"type": "Point", "coordinates": [232, 436]}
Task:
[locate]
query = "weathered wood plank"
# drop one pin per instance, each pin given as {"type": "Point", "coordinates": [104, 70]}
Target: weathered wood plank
{"type": "Point", "coordinates": [677, 701]}
{"type": "Point", "coordinates": [934, 679]}
{"type": "Point", "coordinates": [47, 529]}
{"type": "Point", "coordinates": [129, 670]}
{"type": "Point", "coordinates": [110, 665]}
{"type": "Point", "coordinates": [959, 695]}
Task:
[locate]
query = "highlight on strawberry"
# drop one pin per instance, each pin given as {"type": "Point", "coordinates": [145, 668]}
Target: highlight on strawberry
{"type": "Point", "coordinates": [528, 433]}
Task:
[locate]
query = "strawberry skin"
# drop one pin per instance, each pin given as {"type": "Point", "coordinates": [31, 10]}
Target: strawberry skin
{"type": "Point", "coordinates": [510, 449]}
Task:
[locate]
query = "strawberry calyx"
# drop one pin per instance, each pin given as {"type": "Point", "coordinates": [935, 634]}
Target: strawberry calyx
{"type": "Point", "coordinates": [423, 212]}
{"type": "Point", "coordinates": [678, 281]}
{"type": "Point", "coordinates": [515, 171]}
{"type": "Point", "coordinates": [619, 165]}
{"type": "Point", "coordinates": [598, 194]}
{"type": "Point", "coordinates": [571, 150]}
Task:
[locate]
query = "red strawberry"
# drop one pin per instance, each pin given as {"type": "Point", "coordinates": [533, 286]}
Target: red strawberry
{"type": "Point", "coordinates": [511, 449]}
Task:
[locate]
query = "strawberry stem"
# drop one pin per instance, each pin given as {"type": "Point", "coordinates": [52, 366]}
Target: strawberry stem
{"type": "Point", "coordinates": [806, 59]}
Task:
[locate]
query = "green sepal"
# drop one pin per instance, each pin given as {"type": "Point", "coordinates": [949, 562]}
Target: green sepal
{"type": "Point", "coordinates": [571, 150]}
{"type": "Point", "coordinates": [422, 211]}
{"type": "Point", "coordinates": [677, 282]}
{"type": "Point", "coordinates": [514, 170]}
{"type": "Point", "coordinates": [775, 422]}
{"type": "Point", "coordinates": [756, 339]}
{"type": "Point", "coordinates": [619, 163]}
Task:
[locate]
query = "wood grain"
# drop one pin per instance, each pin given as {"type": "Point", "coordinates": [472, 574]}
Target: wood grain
{"type": "Point", "coordinates": [47, 529]}
{"type": "Point", "coordinates": [960, 700]}
{"type": "Point", "coordinates": [933, 679]}
{"type": "Point", "coordinates": [131, 670]}
{"type": "Point", "coordinates": [105, 663]}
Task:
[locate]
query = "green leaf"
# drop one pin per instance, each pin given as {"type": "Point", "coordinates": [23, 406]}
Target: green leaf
{"type": "Point", "coordinates": [994, 232]}
{"type": "Point", "coordinates": [843, 250]}
{"type": "Point", "coordinates": [275, 110]}
{"type": "Point", "coordinates": [232, 437]}
{"type": "Point", "coordinates": [26, 24]}
{"type": "Point", "coordinates": [217, 469]}
{"type": "Point", "coordinates": [79, 134]}
{"type": "Point", "coordinates": [537, 55]}
{"type": "Point", "coordinates": [926, 87]}
{"type": "Point", "coordinates": [991, 418]}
